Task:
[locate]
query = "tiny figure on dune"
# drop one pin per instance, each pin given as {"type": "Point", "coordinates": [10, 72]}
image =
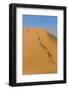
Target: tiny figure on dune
{"type": "Point", "coordinates": [28, 30]}
{"type": "Point", "coordinates": [50, 56]}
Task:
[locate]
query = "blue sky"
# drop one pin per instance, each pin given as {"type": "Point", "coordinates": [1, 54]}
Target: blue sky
{"type": "Point", "coordinates": [48, 22]}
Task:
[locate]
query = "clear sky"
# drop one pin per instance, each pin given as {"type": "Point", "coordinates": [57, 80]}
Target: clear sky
{"type": "Point", "coordinates": [48, 22]}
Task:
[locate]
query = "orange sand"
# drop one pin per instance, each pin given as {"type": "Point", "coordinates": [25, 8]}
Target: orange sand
{"type": "Point", "coordinates": [40, 52]}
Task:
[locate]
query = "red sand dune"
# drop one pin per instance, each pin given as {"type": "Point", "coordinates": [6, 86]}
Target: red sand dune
{"type": "Point", "coordinates": [40, 52]}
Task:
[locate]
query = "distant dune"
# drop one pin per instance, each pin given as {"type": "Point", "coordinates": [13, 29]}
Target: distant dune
{"type": "Point", "coordinates": [40, 51]}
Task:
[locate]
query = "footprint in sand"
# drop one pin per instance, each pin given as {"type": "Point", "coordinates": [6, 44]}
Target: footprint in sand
{"type": "Point", "coordinates": [45, 48]}
{"type": "Point", "coordinates": [41, 44]}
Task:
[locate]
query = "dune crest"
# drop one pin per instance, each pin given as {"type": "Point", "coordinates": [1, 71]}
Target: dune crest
{"type": "Point", "coordinates": [40, 51]}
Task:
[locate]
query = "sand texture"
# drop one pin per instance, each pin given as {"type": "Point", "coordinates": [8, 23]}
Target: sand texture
{"type": "Point", "coordinates": [40, 51]}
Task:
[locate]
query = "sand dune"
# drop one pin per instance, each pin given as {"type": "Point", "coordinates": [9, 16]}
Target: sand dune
{"type": "Point", "coordinates": [40, 51]}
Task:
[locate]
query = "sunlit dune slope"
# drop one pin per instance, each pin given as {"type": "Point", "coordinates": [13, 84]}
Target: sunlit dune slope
{"type": "Point", "coordinates": [40, 51]}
